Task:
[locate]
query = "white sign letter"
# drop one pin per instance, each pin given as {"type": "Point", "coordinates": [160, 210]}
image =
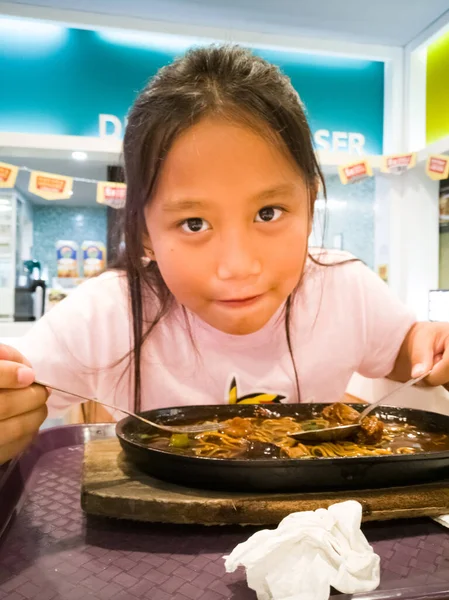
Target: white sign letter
{"type": "Point", "coordinates": [321, 140]}
{"type": "Point", "coordinates": [356, 143]}
{"type": "Point", "coordinates": [103, 126]}
{"type": "Point", "coordinates": [339, 140]}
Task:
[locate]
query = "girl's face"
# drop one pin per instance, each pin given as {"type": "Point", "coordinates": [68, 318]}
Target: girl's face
{"type": "Point", "coordinates": [228, 225]}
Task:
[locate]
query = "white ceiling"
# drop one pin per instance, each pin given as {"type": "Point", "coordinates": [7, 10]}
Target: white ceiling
{"type": "Point", "coordinates": [84, 194]}
{"type": "Point", "coordinates": [391, 22]}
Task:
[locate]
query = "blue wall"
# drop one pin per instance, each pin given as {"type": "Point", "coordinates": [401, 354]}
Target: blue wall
{"type": "Point", "coordinates": [60, 80]}
{"type": "Point", "coordinates": [63, 223]}
{"type": "Point", "coordinates": [340, 94]}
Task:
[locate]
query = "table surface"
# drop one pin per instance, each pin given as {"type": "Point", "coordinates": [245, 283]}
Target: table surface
{"type": "Point", "coordinates": [52, 550]}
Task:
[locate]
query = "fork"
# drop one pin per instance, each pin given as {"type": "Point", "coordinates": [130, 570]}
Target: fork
{"type": "Point", "coordinates": [171, 428]}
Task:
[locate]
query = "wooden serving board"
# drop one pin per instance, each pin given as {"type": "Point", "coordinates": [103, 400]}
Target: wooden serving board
{"type": "Point", "coordinates": [114, 487]}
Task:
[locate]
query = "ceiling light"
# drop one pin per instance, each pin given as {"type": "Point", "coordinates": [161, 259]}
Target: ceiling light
{"type": "Point", "coordinates": [79, 155]}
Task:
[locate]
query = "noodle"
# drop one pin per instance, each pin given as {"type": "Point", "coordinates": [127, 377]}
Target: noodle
{"type": "Point", "coordinates": [276, 431]}
{"type": "Point", "coordinates": [264, 434]}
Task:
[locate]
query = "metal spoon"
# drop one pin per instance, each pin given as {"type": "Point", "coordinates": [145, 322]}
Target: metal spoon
{"type": "Point", "coordinates": [343, 432]}
{"type": "Point", "coordinates": [172, 429]}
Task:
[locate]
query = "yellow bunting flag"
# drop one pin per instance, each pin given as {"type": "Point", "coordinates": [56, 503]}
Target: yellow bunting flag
{"type": "Point", "coordinates": [355, 171]}
{"type": "Point", "coordinates": [50, 186]}
{"type": "Point", "coordinates": [111, 194]}
{"type": "Point", "coordinates": [437, 166]}
{"type": "Point", "coordinates": [382, 271]}
{"type": "Point", "coordinates": [8, 175]}
{"type": "Point", "coordinates": [396, 164]}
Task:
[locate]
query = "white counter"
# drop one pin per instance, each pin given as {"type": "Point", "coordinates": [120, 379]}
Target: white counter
{"type": "Point", "coordinates": [10, 330]}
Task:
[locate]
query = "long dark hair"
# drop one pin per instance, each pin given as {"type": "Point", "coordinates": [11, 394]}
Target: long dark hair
{"type": "Point", "coordinates": [229, 81]}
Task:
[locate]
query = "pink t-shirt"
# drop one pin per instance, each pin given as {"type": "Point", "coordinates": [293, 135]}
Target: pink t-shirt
{"type": "Point", "coordinates": [344, 320]}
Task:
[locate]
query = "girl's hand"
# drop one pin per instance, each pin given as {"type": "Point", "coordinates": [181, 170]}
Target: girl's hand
{"type": "Point", "coordinates": [425, 348]}
{"type": "Point", "coordinates": [22, 404]}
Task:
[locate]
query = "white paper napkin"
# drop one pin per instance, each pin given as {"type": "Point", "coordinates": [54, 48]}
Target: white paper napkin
{"type": "Point", "coordinates": [442, 520]}
{"type": "Point", "coordinates": [308, 553]}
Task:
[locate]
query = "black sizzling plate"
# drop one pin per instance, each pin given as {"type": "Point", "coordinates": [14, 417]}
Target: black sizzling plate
{"type": "Point", "coordinates": [283, 475]}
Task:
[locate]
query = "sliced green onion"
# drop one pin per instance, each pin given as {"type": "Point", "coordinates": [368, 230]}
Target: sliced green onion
{"type": "Point", "coordinates": [179, 440]}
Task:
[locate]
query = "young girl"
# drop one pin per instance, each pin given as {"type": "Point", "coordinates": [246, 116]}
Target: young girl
{"type": "Point", "coordinates": [217, 297]}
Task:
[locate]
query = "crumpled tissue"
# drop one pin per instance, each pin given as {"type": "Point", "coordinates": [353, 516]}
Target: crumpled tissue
{"type": "Point", "coordinates": [442, 520]}
{"type": "Point", "coordinates": [307, 554]}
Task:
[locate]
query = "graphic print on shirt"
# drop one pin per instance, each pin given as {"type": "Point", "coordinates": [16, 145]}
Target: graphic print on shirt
{"type": "Point", "coordinates": [255, 398]}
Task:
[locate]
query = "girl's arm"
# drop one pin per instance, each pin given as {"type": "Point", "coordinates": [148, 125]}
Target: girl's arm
{"type": "Point", "coordinates": [425, 348]}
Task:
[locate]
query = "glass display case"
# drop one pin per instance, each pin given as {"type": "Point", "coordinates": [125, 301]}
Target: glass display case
{"type": "Point", "coordinates": [8, 249]}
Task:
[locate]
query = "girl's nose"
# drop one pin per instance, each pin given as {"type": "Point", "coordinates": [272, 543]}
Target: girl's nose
{"type": "Point", "coordinates": [237, 260]}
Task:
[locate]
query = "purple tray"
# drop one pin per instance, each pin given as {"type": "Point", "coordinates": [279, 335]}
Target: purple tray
{"type": "Point", "coordinates": [49, 549]}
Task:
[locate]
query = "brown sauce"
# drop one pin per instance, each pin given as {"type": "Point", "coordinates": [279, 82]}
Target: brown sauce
{"type": "Point", "coordinates": [255, 439]}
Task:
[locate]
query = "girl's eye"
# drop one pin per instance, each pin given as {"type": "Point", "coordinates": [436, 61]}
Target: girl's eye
{"type": "Point", "coordinates": [268, 213]}
{"type": "Point", "coordinates": [195, 225]}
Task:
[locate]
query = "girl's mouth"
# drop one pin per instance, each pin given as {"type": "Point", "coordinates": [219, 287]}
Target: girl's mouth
{"type": "Point", "coordinates": [240, 302]}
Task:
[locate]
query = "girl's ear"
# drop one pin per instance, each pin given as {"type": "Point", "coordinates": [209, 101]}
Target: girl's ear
{"type": "Point", "coordinates": [148, 249]}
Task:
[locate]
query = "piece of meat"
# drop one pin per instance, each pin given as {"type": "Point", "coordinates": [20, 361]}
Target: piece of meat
{"type": "Point", "coordinates": [238, 427]}
{"type": "Point", "coordinates": [295, 452]}
{"type": "Point", "coordinates": [256, 449]}
{"type": "Point", "coordinates": [340, 414]}
{"type": "Point", "coordinates": [371, 431]}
